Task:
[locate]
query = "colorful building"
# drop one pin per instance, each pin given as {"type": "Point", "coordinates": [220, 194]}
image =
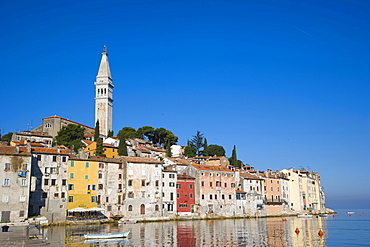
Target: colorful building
{"type": "Point", "coordinates": [185, 194]}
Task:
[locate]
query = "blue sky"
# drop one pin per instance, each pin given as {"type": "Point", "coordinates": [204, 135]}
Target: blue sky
{"type": "Point", "coordinates": [287, 82]}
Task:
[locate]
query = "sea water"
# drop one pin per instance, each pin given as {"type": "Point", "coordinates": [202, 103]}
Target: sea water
{"type": "Point", "coordinates": [341, 229]}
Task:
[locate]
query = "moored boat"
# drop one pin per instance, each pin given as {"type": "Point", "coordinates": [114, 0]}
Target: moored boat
{"type": "Point", "coordinates": [304, 215]}
{"type": "Point", "coordinates": [107, 235]}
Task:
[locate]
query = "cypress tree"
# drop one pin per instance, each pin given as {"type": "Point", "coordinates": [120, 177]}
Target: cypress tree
{"type": "Point", "coordinates": [122, 147]}
{"type": "Point", "coordinates": [97, 131]}
{"type": "Point", "coordinates": [168, 149]}
{"type": "Point", "coordinates": [205, 146]}
{"type": "Point", "coordinates": [234, 159]}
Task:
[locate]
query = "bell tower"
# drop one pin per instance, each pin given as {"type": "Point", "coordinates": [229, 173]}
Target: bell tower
{"type": "Point", "coordinates": [104, 95]}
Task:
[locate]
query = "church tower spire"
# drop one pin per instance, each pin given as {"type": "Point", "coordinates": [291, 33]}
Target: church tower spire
{"type": "Point", "coordinates": [104, 95]}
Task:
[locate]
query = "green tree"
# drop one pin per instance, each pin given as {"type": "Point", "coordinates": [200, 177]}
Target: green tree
{"type": "Point", "coordinates": [71, 135]}
{"type": "Point", "coordinates": [190, 152]}
{"type": "Point", "coordinates": [168, 149]}
{"type": "Point", "coordinates": [97, 131]}
{"type": "Point", "coordinates": [99, 147]}
{"type": "Point", "coordinates": [205, 148]}
{"type": "Point", "coordinates": [233, 159]}
{"type": "Point", "coordinates": [215, 150]}
{"type": "Point", "coordinates": [129, 133]}
{"type": "Point", "coordinates": [147, 133]}
{"type": "Point", "coordinates": [197, 141]}
{"type": "Point", "coordinates": [162, 136]}
{"type": "Point", "coordinates": [110, 133]}
{"type": "Point", "coordinates": [122, 147]}
{"type": "Point", "coordinates": [7, 137]}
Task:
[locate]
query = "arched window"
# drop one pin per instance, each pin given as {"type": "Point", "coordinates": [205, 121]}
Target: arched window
{"type": "Point", "coordinates": [142, 209]}
{"type": "Point", "coordinates": [105, 91]}
{"type": "Point", "coordinates": [156, 207]}
{"type": "Point", "coordinates": [129, 207]}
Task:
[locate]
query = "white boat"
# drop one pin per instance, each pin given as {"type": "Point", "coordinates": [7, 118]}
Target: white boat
{"type": "Point", "coordinates": [349, 212]}
{"type": "Point", "coordinates": [107, 235]}
{"type": "Point", "coordinates": [304, 215]}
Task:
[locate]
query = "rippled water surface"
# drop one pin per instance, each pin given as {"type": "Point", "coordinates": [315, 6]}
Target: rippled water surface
{"type": "Point", "coordinates": [341, 230]}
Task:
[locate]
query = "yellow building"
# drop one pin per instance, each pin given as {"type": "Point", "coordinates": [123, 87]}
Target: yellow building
{"type": "Point", "coordinates": [110, 151]}
{"type": "Point", "coordinates": [82, 183]}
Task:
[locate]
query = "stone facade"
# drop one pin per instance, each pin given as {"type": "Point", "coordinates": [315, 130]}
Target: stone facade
{"type": "Point", "coordinates": [15, 165]}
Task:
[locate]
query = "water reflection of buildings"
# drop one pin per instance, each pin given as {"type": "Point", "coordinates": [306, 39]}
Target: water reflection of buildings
{"type": "Point", "coordinates": [229, 232]}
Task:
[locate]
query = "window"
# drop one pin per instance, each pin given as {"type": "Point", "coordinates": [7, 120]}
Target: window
{"type": "Point", "coordinates": [223, 197]}
{"type": "Point", "coordinates": [202, 183]}
{"type": "Point", "coordinates": [215, 196]}
{"type": "Point", "coordinates": [70, 198]}
{"type": "Point", "coordinates": [142, 194]}
{"type": "Point", "coordinates": [130, 195]}
{"type": "Point", "coordinates": [6, 182]}
{"type": "Point", "coordinates": [86, 176]}
{"type": "Point", "coordinates": [272, 189]}
{"type": "Point", "coordinates": [202, 196]}
{"type": "Point", "coordinates": [87, 164]}
{"type": "Point", "coordinates": [210, 174]}
{"type": "Point", "coordinates": [142, 182]}
{"type": "Point", "coordinates": [156, 207]}
{"type": "Point", "coordinates": [24, 167]}
{"type": "Point", "coordinates": [23, 182]}
{"type": "Point", "coordinates": [225, 185]}
{"type": "Point", "coordinates": [157, 183]}
{"type": "Point", "coordinates": [232, 185]}
{"type": "Point", "coordinates": [230, 197]}
{"type": "Point", "coordinates": [106, 199]}
{"type": "Point", "coordinates": [88, 187]}
{"type": "Point", "coordinates": [71, 175]}
{"type": "Point", "coordinates": [191, 195]}
{"type": "Point", "coordinates": [172, 184]}
{"type": "Point", "coordinates": [70, 186]}
{"type": "Point", "coordinates": [100, 175]}
{"type": "Point", "coordinates": [94, 199]}
{"type": "Point", "coordinates": [210, 196]}
{"type": "Point", "coordinates": [56, 195]}
{"type": "Point", "coordinates": [5, 198]}
{"type": "Point", "coordinates": [119, 176]}
{"type": "Point", "coordinates": [54, 158]}
{"type": "Point", "coordinates": [64, 181]}
{"type": "Point", "coordinates": [171, 175]}
{"type": "Point", "coordinates": [38, 157]}
{"type": "Point", "coordinates": [53, 182]}
{"type": "Point", "coordinates": [63, 195]}
{"type": "Point", "coordinates": [129, 182]}
{"type": "Point", "coordinates": [101, 165]}
{"type": "Point", "coordinates": [22, 198]}
{"type": "Point", "coordinates": [120, 186]}
{"type": "Point", "coordinates": [178, 186]}
{"type": "Point", "coordinates": [178, 195]}
{"type": "Point", "coordinates": [93, 187]}
{"type": "Point", "coordinates": [53, 170]}
{"type": "Point", "coordinates": [72, 163]}
{"type": "Point", "coordinates": [210, 184]}
{"type": "Point", "coordinates": [21, 213]}
{"type": "Point", "coordinates": [109, 208]}
{"type": "Point", "coordinates": [46, 181]}
{"type": "Point", "coordinates": [100, 186]}
{"type": "Point", "coordinates": [202, 173]}
{"type": "Point", "coordinates": [64, 159]}
{"type": "Point", "coordinates": [130, 208]}
{"type": "Point", "coordinates": [171, 196]}
{"type": "Point", "coordinates": [191, 186]}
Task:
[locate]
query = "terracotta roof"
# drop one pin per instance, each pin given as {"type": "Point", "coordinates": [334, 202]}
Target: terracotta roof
{"type": "Point", "coordinates": [141, 160]}
{"type": "Point", "coordinates": [249, 176]}
{"type": "Point", "coordinates": [240, 191]}
{"type": "Point", "coordinates": [9, 150]}
{"type": "Point", "coordinates": [156, 149]}
{"type": "Point", "coordinates": [212, 168]}
{"type": "Point", "coordinates": [70, 121]}
{"type": "Point", "coordinates": [97, 158]}
{"type": "Point", "coordinates": [109, 145]}
{"type": "Point", "coordinates": [87, 142]}
{"type": "Point", "coordinates": [50, 151]}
